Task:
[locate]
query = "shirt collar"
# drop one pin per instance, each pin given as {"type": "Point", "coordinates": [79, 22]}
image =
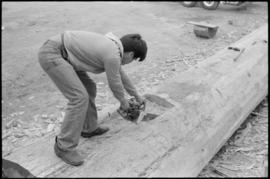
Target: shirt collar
{"type": "Point", "coordinates": [113, 37]}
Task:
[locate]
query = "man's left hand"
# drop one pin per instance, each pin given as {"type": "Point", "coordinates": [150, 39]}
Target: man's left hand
{"type": "Point", "coordinates": [140, 100]}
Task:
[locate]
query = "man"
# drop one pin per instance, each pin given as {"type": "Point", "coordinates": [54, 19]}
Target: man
{"type": "Point", "coordinates": [66, 58]}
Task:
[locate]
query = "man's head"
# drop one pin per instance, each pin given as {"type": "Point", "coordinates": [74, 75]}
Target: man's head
{"type": "Point", "coordinates": [135, 48]}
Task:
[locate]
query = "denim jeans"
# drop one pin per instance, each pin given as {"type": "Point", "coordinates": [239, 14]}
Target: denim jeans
{"type": "Point", "coordinates": [77, 87]}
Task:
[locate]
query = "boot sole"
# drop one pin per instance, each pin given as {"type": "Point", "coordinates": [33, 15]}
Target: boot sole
{"type": "Point", "coordinates": [87, 135]}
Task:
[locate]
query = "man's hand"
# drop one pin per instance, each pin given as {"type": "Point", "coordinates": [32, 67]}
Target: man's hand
{"type": "Point", "coordinates": [125, 105]}
{"type": "Point", "coordinates": [140, 100]}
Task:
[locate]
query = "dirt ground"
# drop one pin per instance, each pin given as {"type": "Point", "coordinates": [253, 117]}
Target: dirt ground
{"type": "Point", "coordinates": [31, 103]}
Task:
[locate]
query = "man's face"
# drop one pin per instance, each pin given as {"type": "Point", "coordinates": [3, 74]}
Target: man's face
{"type": "Point", "coordinates": [128, 57]}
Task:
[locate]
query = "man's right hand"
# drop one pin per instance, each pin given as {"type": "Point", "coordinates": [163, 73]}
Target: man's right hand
{"type": "Point", "coordinates": [125, 105]}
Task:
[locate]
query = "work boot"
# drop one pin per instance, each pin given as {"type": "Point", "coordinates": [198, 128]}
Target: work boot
{"type": "Point", "coordinates": [70, 157]}
{"type": "Point", "coordinates": [98, 131]}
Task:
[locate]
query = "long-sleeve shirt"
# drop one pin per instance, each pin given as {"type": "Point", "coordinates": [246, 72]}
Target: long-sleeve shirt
{"type": "Point", "coordinates": [96, 53]}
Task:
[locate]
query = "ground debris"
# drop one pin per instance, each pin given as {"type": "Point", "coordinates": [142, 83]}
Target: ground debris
{"type": "Point", "coordinates": [10, 123]}
{"type": "Point", "coordinates": [50, 127]}
{"type": "Point", "coordinates": [260, 115]}
{"type": "Point", "coordinates": [61, 117]}
{"type": "Point", "coordinates": [44, 116]}
{"type": "Point", "coordinates": [6, 134]}
{"type": "Point", "coordinates": [19, 134]}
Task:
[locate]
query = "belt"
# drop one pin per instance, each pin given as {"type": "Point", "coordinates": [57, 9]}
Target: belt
{"type": "Point", "coordinates": [63, 49]}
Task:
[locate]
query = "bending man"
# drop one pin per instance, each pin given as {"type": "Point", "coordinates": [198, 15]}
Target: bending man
{"type": "Point", "coordinates": [66, 58]}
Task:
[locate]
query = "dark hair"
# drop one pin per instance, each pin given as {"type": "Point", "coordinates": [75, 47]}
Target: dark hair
{"type": "Point", "coordinates": [134, 43]}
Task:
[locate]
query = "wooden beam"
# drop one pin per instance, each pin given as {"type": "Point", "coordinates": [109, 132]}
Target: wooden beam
{"type": "Point", "coordinates": [204, 106]}
{"type": "Point", "coordinates": [220, 94]}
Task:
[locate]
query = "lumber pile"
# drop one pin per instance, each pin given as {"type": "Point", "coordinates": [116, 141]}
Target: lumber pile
{"type": "Point", "coordinates": [198, 110]}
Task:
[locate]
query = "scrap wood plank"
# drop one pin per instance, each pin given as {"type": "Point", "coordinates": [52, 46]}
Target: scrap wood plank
{"type": "Point", "coordinates": [203, 29]}
{"type": "Point", "coordinates": [203, 24]}
{"type": "Point", "coordinates": [210, 101]}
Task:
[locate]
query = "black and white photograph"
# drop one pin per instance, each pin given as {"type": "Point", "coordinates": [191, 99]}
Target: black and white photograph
{"type": "Point", "coordinates": [141, 89]}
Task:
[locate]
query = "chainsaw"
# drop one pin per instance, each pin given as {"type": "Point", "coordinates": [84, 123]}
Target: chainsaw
{"type": "Point", "coordinates": [134, 112]}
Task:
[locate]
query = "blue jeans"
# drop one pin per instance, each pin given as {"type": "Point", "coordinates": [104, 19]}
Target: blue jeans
{"type": "Point", "coordinates": [77, 87]}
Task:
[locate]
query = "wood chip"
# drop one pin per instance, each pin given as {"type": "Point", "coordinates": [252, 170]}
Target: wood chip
{"type": "Point", "coordinates": [219, 172]}
{"type": "Point", "coordinates": [44, 116]}
{"type": "Point", "coordinates": [10, 123]}
{"type": "Point", "coordinates": [225, 171]}
{"type": "Point", "coordinates": [13, 140]}
{"type": "Point", "coordinates": [186, 63]}
{"type": "Point", "coordinates": [260, 115]}
{"type": "Point", "coordinates": [244, 149]}
{"type": "Point", "coordinates": [19, 135]}
{"type": "Point", "coordinates": [48, 121]}
{"type": "Point", "coordinates": [60, 107]}
{"type": "Point", "coordinates": [7, 152]}
{"type": "Point", "coordinates": [37, 134]}
{"type": "Point", "coordinates": [28, 133]}
{"type": "Point", "coordinates": [6, 135]}
{"type": "Point", "coordinates": [36, 117]}
{"type": "Point", "coordinates": [61, 118]}
{"type": "Point", "coordinates": [50, 127]}
{"type": "Point", "coordinates": [31, 97]}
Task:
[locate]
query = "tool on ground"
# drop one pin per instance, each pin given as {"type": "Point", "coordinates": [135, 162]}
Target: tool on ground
{"type": "Point", "coordinates": [134, 112]}
{"type": "Point", "coordinates": [240, 50]}
{"type": "Point", "coordinates": [234, 48]}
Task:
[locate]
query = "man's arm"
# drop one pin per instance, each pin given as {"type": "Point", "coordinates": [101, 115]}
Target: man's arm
{"type": "Point", "coordinates": [130, 88]}
{"type": "Point", "coordinates": [112, 69]}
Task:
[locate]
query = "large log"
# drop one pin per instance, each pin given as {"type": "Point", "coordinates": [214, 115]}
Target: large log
{"type": "Point", "coordinates": [198, 110]}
